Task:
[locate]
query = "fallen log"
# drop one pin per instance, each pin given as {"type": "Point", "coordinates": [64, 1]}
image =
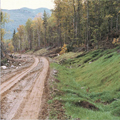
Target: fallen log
{"type": "Point", "coordinates": [52, 55]}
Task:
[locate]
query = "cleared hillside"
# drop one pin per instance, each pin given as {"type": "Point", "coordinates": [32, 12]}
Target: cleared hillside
{"type": "Point", "coordinates": [88, 85]}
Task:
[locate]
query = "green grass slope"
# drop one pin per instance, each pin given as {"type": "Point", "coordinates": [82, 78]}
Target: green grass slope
{"type": "Point", "coordinates": [90, 85]}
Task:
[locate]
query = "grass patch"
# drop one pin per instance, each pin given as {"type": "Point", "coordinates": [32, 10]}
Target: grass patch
{"type": "Point", "coordinates": [66, 56]}
{"type": "Point", "coordinates": [29, 52]}
{"type": "Point", "coordinates": [40, 52]}
{"type": "Point", "coordinates": [92, 91]}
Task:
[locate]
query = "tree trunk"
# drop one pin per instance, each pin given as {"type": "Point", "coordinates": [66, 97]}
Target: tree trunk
{"type": "Point", "coordinates": [111, 26]}
{"type": "Point", "coordinates": [87, 42]}
{"type": "Point", "coordinates": [60, 35]}
{"type": "Point", "coordinates": [59, 28]}
{"type": "Point", "coordinates": [74, 21]}
{"type": "Point", "coordinates": [99, 39]}
{"type": "Point", "coordinates": [3, 50]}
{"type": "Point", "coordinates": [117, 23]}
{"type": "Point", "coordinates": [78, 25]}
{"type": "Point", "coordinates": [46, 42]}
{"type": "Point", "coordinates": [38, 38]}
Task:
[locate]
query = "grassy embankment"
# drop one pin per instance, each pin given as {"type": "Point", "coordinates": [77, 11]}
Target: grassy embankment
{"type": "Point", "coordinates": [89, 84]}
{"type": "Point", "coordinates": [38, 52]}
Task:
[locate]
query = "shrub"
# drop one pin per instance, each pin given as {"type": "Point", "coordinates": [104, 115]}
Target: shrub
{"type": "Point", "coordinates": [63, 49]}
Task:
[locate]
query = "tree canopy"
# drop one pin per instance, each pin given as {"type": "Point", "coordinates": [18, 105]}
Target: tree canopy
{"type": "Point", "coordinates": [78, 23]}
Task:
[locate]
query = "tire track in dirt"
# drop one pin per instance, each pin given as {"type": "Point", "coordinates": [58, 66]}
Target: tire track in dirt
{"type": "Point", "coordinates": [14, 99]}
{"type": "Point", "coordinates": [19, 102]}
{"type": "Point", "coordinates": [11, 82]}
{"type": "Point", "coordinates": [11, 75]}
{"type": "Point", "coordinates": [33, 101]}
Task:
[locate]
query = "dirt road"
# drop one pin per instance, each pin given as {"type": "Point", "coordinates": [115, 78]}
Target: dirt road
{"type": "Point", "coordinates": [21, 95]}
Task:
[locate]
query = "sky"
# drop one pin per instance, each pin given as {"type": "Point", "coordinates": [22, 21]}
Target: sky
{"type": "Point", "coordinates": [16, 4]}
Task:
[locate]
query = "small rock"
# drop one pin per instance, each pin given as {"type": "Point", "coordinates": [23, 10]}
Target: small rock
{"type": "Point", "coordinates": [16, 67]}
{"type": "Point", "coordinates": [55, 72]}
{"type": "Point", "coordinates": [52, 80]}
{"type": "Point", "coordinates": [19, 64]}
{"type": "Point", "coordinates": [90, 62]}
{"type": "Point", "coordinates": [3, 67]}
{"type": "Point", "coordinates": [12, 66]}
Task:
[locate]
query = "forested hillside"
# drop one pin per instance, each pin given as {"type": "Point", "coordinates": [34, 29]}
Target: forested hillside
{"type": "Point", "coordinates": [19, 17]}
{"type": "Point", "coordinates": [88, 24]}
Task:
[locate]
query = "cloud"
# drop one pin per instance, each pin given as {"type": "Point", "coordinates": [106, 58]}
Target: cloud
{"type": "Point", "coordinates": [16, 4]}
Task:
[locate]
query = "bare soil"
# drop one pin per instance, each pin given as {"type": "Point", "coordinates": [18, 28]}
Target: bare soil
{"type": "Point", "coordinates": [22, 88]}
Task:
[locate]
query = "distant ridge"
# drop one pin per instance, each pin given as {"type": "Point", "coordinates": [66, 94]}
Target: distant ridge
{"type": "Point", "coordinates": [19, 17]}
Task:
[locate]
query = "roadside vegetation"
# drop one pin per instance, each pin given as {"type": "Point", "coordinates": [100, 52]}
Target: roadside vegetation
{"type": "Point", "coordinates": [89, 86]}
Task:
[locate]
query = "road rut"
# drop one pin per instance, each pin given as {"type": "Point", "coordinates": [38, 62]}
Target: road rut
{"type": "Point", "coordinates": [29, 99]}
{"type": "Point", "coordinates": [11, 82]}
